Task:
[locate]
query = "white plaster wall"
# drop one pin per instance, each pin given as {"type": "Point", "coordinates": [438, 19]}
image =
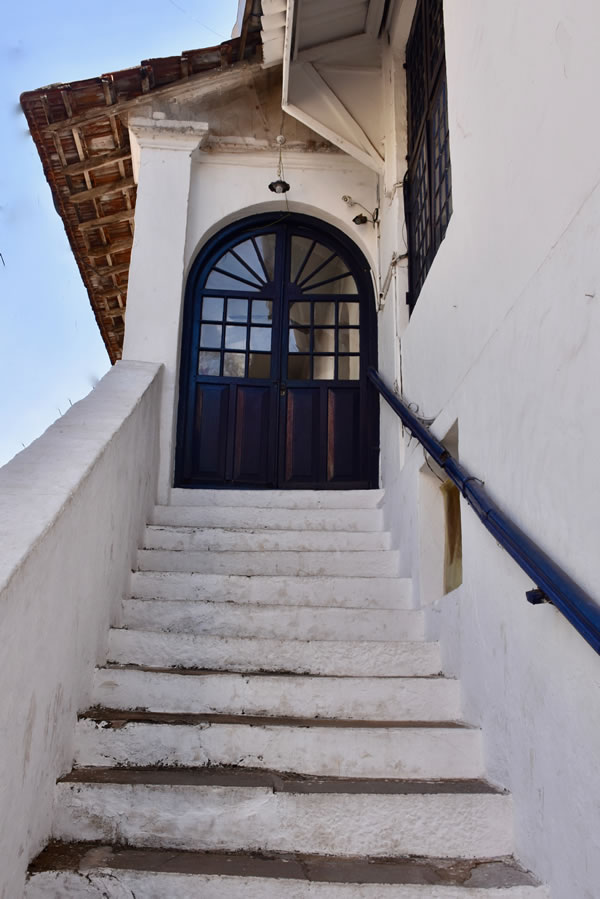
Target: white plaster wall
{"type": "Point", "coordinates": [222, 188]}
{"type": "Point", "coordinates": [227, 187]}
{"type": "Point", "coordinates": [72, 510]}
{"type": "Point", "coordinates": [505, 339]}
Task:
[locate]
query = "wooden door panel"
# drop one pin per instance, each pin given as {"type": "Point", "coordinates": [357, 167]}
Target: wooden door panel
{"type": "Point", "coordinates": [208, 459]}
{"type": "Point", "coordinates": [343, 434]}
{"type": "Point", "coordinates": [301, 438]}
{"type": "Point", "coordinates": [253, 456]}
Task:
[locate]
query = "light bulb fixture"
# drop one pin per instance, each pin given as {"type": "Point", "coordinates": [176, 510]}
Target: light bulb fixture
{"type": "Point", "coordinates": [280, 185]}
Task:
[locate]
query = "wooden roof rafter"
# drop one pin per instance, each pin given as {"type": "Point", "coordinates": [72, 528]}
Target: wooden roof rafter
{"type": "Point", "coordinates": [85, 152]}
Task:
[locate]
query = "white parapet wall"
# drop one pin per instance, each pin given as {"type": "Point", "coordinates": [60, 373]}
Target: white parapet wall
{"type": "Point", "coordinates": [72, 510]}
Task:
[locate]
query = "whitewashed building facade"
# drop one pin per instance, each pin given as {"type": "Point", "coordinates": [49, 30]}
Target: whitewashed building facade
{"type": "Point", "coordinates": [485, 319]}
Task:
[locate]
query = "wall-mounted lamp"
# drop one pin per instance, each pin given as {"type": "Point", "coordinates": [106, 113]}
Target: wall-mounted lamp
{"type": "Point", "coordinates": [361, 218]}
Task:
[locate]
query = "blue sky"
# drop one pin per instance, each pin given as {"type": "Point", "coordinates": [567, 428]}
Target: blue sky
{"type": "Point", "coordinates": [51, 353]}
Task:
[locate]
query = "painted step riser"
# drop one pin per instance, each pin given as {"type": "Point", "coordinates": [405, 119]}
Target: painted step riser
{"type": "Point", "coordinates": [340, 592]}
{"type": "Point", "coordinates": [332, 564]}
{"type": "Point", "coordinates": [271, 622]}
{"type": "Point", "coordinates": [376, 699]}
{"type": "Point", "coordinates": [221, 540]}
{"type": "Point", "coordinates": [278, 519]}
{"type": "Point", "coordinates": [279, 499]}
{"type": "Point", "coordinates": [96, 884]}
{"type": "Point", "coordinates": [404, 753]}
{"type": "Point", "coordinates": [350, 659]}
{"type": "Point", "coordinates": [256, 818]}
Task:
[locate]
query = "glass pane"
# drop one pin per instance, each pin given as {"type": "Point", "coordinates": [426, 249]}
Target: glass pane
{"type": "Point", "coordinates": [210, 335]}
{"type": "Point", "coordinates": [349, 341]}
{"type": "Point", "coordinates": [262, 311]}
{"type": "Point", "coordinates": [219, 281]}
{"type": "Point", "coordinates": [324, 313]}
{"type": "Point", "coordinates": [234, 364]}
{"type": "Point", "coordinates": [237, 310]}
{"type": "Point", "coordinates": [299, 340]}
{"type": "Point", "coordinates": [266, 248]}
{"type": "Point", "coordinates": [348, 313]}
{"type": "Point", "coordinates": [209, 363]}
{"type": "Point", "coordinates": [300, 314]}
{"type": "Point", "coordinates": [324, 368]}
{"type": "Point", "coordinates": [300, 247]}
{"type": "Point", "coordinates": [259, 365]}
{"type": "Point", "coordinates": [342, 285]}
{"type": "Point", "coordinates": [212, 309]}
{"type": "Point", "coordinates": [260, 338]}
{"type": "Point", "coordinates": [318, 256]}
{"type": "Point", "coordinates": [247, 252]}
{"type": "Point", "coordinates": [234, 267]}
{"type": "Point", "coordinates": [332, 269]}
{"type": "Point", "coordinates": [299, 368]}
{"type": "Point", "coordinates": [348, 368]}
{"type": "Point", "coordinates": [324, 340]}
{"type": "Point", "coordinates": [235, 338]}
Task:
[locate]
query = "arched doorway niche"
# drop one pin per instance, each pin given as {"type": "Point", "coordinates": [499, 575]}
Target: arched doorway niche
{"type": "Point", "coordinates": [279, 329]}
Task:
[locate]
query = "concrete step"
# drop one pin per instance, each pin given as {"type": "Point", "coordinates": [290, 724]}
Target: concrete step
{"type": "Point", "coordinates": [369, 563]}
{"type": "Point", "coordinates": [339, 592]}
{"type": "Point", "coordinates": [278, 499]}
{"type": "Point", "coordinates": [278, 519]}
{"type": "Point", "coordinates": [328, 657]}
{"type": "Point", "coordinates": [106, 737]}
{"type": "Point", "coordinates": [230, 619]}
{"type": "Point", "coordinates": [193, 539]}
{"type": "Point", "coordinates": [79, 871]}
{"type": "Point", "coordinates": [177, 690]}
{"type": "Point", "coordinates": [228, 810]}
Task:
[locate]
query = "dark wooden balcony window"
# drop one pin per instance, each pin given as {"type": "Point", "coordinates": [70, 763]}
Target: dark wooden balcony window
{"type": "Point", "coordinates": [428, 189]}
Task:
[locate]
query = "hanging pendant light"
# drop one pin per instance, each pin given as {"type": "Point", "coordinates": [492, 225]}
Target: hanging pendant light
{"type": "Point", "coordinates": [280, 186]}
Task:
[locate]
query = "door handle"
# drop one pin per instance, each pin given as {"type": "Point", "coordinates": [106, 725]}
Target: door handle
{"type": "Point", "coordinates": [282, 390]}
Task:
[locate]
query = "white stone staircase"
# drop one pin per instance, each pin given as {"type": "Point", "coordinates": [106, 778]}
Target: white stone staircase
{"type": "Point", "coordinates": [271, 723]}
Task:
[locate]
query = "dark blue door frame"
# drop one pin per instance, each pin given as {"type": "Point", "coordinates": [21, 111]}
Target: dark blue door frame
{"type": "Point", "coordinates": [265, 422]}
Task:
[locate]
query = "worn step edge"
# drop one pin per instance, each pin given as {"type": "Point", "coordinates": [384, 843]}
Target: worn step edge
{"type": "Point", "coordinates": [321, 696]}
{"type": "Point", "coordinates": [190, 538]}
{"type": "Point", "coordinates": [182, 671]}
{"type": "Point", "coordinates": [97, 883]}
{"type": "Point", "coordinates": [278, 499]}
{"type": "Point", "coordinates": [366, 520]}
{"type": "Point", "coordinates": [382, 563]}
{"type": "Point", "coordinates": [229, 619]}
{"type": "Point", "coordinates": [244, 654]}
{"type": "Point", "coordinates": [490, 873]}
{"type": "Point", "coordinates": [260, 818]}
{"type": "Point", "coordinates": [119, 716]}
{"type": "Point", "coordinates": [316, 591]}
{"type": "Point", "coordinates": [278, 782]}
{"type": "Point", "coordinates": [409, 753]}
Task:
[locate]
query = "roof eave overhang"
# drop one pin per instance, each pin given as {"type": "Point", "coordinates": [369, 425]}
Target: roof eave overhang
{"type": "Point", "coordinates": [311, 72]}
{"type": "Point", "coordinates": [81, 134]}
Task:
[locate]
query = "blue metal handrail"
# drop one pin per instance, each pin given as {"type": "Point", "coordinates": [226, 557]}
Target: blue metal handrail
{"type": "Point", "coordinates": [553, 584]}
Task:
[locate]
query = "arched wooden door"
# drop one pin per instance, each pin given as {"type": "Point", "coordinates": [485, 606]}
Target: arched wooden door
{"type": "Point", "coordinates": [279, 331]}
